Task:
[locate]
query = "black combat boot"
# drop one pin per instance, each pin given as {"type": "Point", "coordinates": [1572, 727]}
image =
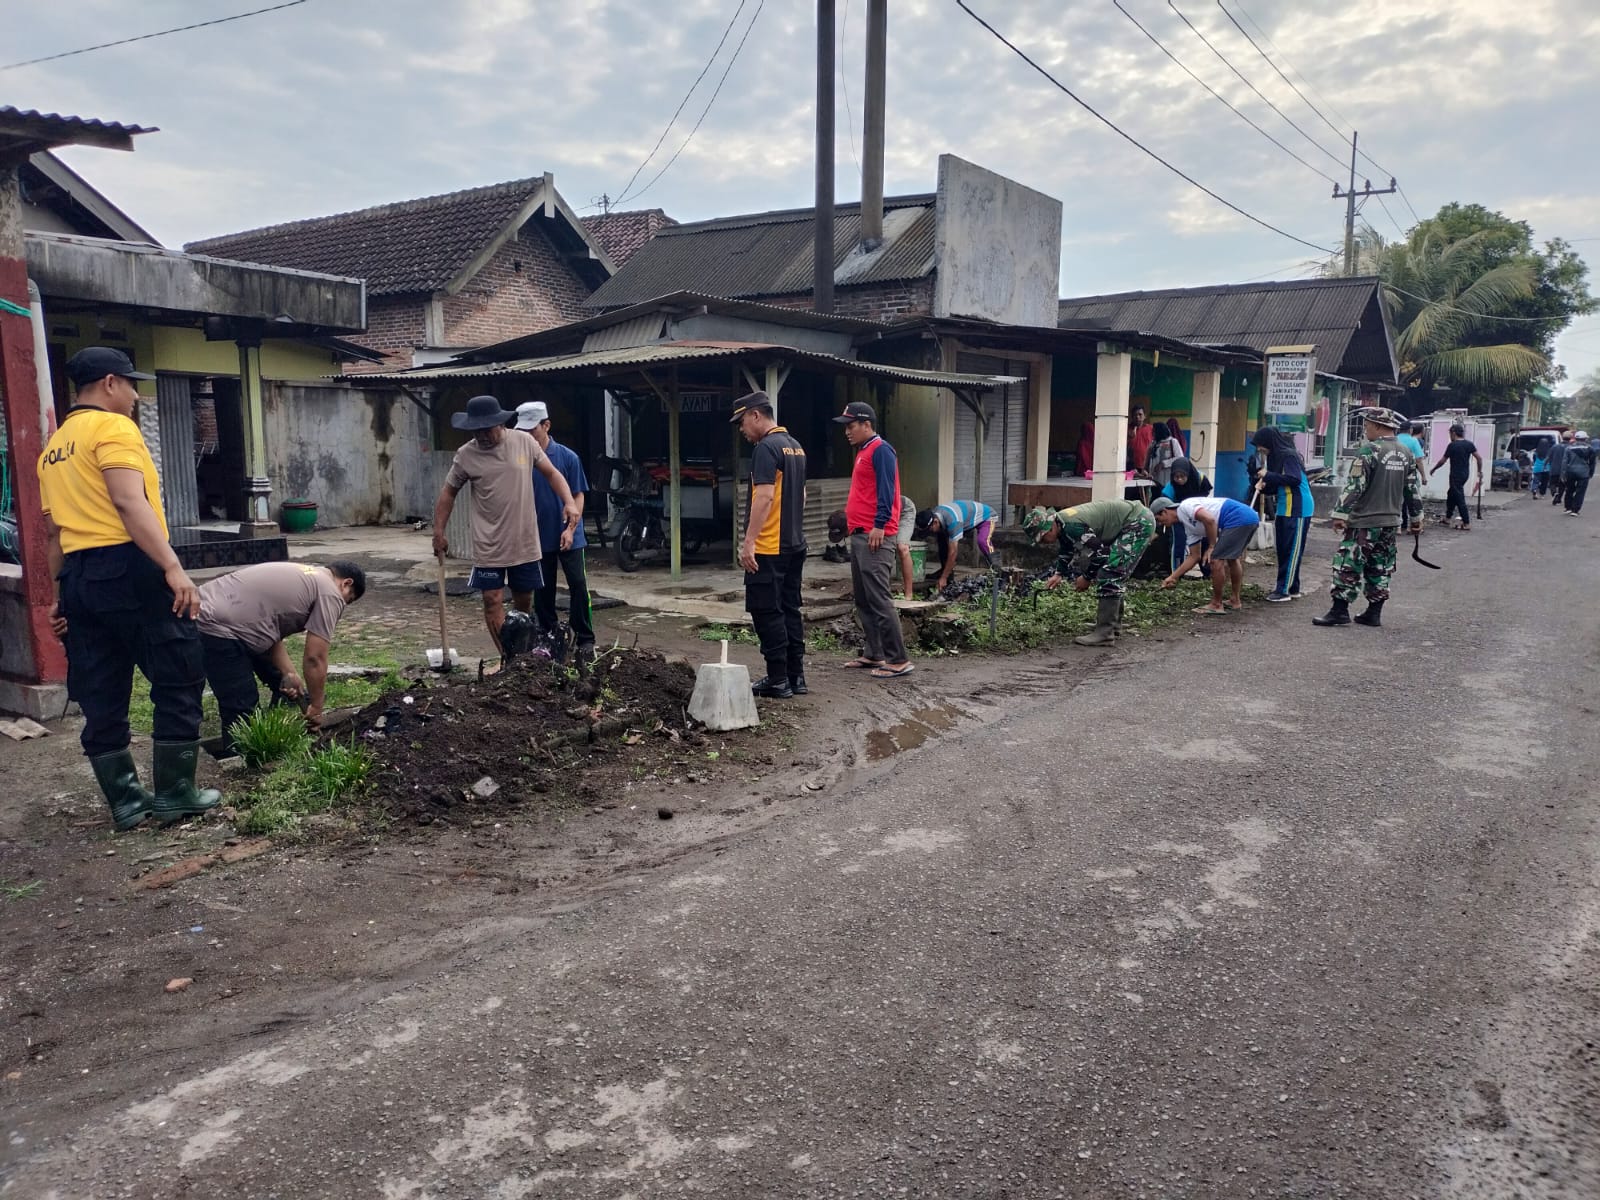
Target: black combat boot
{"type": "Point", "coordinates": [797, 684]}
{"type": "Point", "coordinates": [1105, 623]}
{"type": "Point", "coordinates": [176, 795]}
{"type": "Point", "coordinates": [1374, 614]}
{"type": "Point", "coordinates": [1337, 614]}
{"type": "Point", "coordinates": [773, 687]}
{"type": "Point", "coordinates": [118, 778]}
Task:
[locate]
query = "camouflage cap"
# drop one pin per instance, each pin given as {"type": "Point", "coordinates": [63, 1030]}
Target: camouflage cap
{"type": "Point", "coordinates": [1037, 520]}
{"type": "Point", "coordinates": [1387, 417]}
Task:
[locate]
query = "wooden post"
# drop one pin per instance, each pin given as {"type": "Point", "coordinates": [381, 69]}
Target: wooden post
{"type": "Point", "coordinates": [674, 454]}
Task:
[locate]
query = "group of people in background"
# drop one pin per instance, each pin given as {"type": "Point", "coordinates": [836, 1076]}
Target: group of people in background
{"type": "Point", "coordinates": [1563, 468]}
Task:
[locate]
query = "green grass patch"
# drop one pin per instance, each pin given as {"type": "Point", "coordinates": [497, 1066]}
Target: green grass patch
{"type": "Point", "coordinates": [271, 735]}
{"type": "Point", "coordinates": [306, 783]}
{"type": "Point", "coordinates": [817, 642]}
{"type": "Point", "coordinates": [342, 691]}
{"type": "Point", "coordinates": [10, 891]}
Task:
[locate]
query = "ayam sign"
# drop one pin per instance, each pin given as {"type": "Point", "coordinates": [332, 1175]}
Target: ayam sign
{"type": "Point", "coordinates": [702, 402]}
{"type": "Point", "coordinates": [1290, 372]}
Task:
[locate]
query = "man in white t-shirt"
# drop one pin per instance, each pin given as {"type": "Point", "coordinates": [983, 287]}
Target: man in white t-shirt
{"type": "Point", "coordinates": [1226, 525]}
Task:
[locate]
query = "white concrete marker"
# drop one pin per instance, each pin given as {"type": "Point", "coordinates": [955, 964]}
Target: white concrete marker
{"type": "Point", "coordinates": [722, 697]}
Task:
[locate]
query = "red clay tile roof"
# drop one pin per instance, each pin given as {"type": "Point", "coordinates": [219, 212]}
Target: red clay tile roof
{"type": "Point", "coordinates": [412, 246]}
{"type": "Point", "coordinates": [621, 233]}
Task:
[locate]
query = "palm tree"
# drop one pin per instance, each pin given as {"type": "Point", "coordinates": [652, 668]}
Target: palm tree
{"type": "Point", "coordinates": [1444, 301]}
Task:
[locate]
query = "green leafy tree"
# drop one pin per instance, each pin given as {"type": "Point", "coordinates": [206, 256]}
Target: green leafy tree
{"type": "Point", "coordinates": [1475, 306]}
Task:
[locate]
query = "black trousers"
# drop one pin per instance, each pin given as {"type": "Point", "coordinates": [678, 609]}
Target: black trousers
{"type": "Point", "coordinates": [772, 596]}
{"type": "Point", "coordinates": [232, 669]}
{"type": "Point", "coordinates": [1558, 486]}
{"type": "Point", "coordinates": [1575, 492]}
{"type": "Point", "coordinates": [119, 616]}
{"type": "Point", "coordinates": [580, 612]}
{"type": "Point", "coordinates": [1455, 498]}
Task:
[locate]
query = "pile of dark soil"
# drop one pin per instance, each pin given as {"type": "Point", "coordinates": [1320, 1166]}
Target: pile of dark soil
{"type": "Point", "coordinates": [449, 748]}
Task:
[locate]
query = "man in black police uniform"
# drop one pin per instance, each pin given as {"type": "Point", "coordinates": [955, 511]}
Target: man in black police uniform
{"type": "Point", "coordinates": [123, 599]}
{"type": "Point", "coordinates": [773, 553]}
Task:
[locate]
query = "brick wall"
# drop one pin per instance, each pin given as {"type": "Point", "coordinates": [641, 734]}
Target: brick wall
{"type": "Point", "coordinates": [394, 329]}
{"type": "Point", "coordinates": [891, 301]}
{"type": "Point", "coordinates": [524, 288]}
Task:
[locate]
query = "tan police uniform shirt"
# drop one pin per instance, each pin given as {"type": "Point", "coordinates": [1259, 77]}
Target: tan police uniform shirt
{"type": "Point", "coordinates": [263, 604]}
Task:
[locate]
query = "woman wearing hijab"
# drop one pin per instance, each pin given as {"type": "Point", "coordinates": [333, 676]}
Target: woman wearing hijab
{"type": "Point", "coordinates": [1541, 468]}
{"type": "Point", "coordinates": [1164, 451]}
{"type": "Point", "coordinates": [1186, 483]}
{"type": "Point", "coordinates": [1286, 475]}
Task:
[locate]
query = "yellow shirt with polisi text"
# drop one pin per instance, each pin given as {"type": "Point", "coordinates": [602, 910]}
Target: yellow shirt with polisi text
{"type": "Point", "coordinates": [73, 489]}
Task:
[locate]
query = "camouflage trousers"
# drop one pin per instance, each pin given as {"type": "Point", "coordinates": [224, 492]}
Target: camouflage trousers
{"type": "Point", "coordinates": [1113, 564]}
{"type": "Point", "coordinates": [1364, 557]}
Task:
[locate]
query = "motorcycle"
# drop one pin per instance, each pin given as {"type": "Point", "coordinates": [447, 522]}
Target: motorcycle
{"type": "Point", "coordinates": [639, 528]}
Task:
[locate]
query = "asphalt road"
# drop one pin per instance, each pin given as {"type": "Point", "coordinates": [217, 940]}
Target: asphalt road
{"type": "Point", "coordinates": [1263, 911]}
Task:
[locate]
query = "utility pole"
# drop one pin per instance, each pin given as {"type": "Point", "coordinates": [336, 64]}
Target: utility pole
{"type": "Point", "coordinates": [1349, 196]}
{"type": "Point", "coordinates": [872, 125]}
{"type": "Point", "coordinates": [822, 261]}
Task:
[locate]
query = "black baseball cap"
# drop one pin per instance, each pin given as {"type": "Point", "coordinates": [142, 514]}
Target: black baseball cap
{"type": "Point", "coordinates": [756, 400]}
{"type": "Point", "coordinates": [856, 411]}
{"type": "Point", "coordinates": [94, 363]}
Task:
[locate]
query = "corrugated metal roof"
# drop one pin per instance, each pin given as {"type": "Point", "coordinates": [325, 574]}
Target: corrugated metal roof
{"type": "Point", "coordinates": [25, 131]}
{"type": "Point", "coordinates": [769, 254]}
{"type": "Point", "coordinates": [672, 304]}
{"type": "Point", "coordinates": [1342, 317]}
{"type": "Point", "coordinates": [600, 362]}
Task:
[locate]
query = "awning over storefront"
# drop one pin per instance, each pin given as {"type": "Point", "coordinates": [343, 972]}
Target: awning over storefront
{"type": "Point", "coordinates": [659, 366]}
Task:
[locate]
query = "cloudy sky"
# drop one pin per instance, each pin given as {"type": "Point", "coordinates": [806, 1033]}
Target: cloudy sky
{"type": "Point", "coordinates": [332, 105]}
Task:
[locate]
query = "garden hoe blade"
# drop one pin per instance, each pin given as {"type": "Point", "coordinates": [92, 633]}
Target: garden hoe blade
{"type": "Point", "coordinates": [1416, 552]}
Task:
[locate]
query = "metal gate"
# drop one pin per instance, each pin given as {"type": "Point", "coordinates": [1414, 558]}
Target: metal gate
{"type": "Point", "coordinates": [179, 495]}
{"type": "Point", "coordinates": [1005, 440]}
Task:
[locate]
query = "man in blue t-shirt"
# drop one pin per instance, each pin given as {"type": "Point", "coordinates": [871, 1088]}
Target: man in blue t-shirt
{"type": "Point", "coordinates": [559, 548]}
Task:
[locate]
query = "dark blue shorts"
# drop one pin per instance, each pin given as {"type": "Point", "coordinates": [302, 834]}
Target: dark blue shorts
{"type": "Point", "coordinates": [523, 578]}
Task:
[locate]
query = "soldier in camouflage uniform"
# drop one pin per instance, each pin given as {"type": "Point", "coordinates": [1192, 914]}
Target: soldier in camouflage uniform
{"type": "Point", "coordinates": [1101, 543]}
{"type": "Point", "coordinates": [1381, 487]}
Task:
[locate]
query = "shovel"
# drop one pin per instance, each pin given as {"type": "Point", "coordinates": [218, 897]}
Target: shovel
{"type": "Point", "coordinates": [722, 697]}
{"type": "Point", "coordinates": [441, 657]}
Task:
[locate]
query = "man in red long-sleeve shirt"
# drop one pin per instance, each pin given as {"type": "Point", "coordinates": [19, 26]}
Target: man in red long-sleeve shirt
{"type": "Point", "coordinates": [872, 513]}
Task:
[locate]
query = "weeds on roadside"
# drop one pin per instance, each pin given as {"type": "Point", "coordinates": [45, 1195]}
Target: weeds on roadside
{"type": "Point", "coordinates": [20, 891]}
{"type": "Point", "coordinates": [306, 783]}
{"type": "Point", "coordinates": [719, 633]}
{"type": "Point", "coordinates": [270, 735]}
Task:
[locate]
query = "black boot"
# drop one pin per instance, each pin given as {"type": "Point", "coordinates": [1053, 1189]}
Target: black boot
{"type": "Point", "coordinates": [773, 687]}
{"type": "Point", "coordinates": [797, 684]}
{"type": "Point", "coordinates": [1122, 608]}
{"type": "Point", "coordinates": [1105, 623]}
{"type": "Point", "coordinates": [176, 795]}
{"type": "Point", "coordinates": [1337, 614]}
{"type": "Point", "coordinates": [118, 778]}
{"type": "Point", "coordinates": [1374, 614]}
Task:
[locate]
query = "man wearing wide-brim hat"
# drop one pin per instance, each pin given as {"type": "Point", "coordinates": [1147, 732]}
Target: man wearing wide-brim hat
{"type": "Point", "coordinates": [499, 464]}
{"type": "Point", "coordinates": [1382, 486]}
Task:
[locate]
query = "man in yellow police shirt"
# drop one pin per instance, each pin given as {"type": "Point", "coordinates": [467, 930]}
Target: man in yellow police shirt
{"type": "Point", "coordinates": [122, 594]}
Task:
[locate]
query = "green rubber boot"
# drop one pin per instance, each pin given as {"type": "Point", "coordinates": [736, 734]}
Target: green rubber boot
{"type": "Point", "coordinates": [1122, 608]}
{"type": "Point", "coordinates": [118, 778]}
{"type": "Point", "coordinates": [1105, 624]}
{"type": "Point", "coordinates": [176, 795]}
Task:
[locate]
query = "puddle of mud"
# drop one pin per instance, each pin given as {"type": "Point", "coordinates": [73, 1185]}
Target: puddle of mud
{"type": "Point", "coordinates": [919, 727]}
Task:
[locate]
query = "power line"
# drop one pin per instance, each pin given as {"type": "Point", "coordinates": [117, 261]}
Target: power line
{"type": "Point", "coordinates": [756, 16]}
{"type": "Point", "coordinates": [844, 87]}
{"type": "Point", "coordinates": [144, 37]}
{"type": "Point", "coordinates": [1252, 86]}
{"type": "Point", "coordinates": [1106, 121]}
{"type": "Point", "coordinates": [1374, 162]}
{"type": "Point", "coordinates": [1468, 312]}
{"type": "Point", "coordinates": [1220, 96]}
{"type": "Point", "coordinates": [1390, 215]}
{"type": "Point", "coordinates": [1266, 37]}
{"type": "Point", "coordinates": [677, 112]}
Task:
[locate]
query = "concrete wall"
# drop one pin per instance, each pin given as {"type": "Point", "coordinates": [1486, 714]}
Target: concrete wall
{"type": "Point", "coordinates": [997, 247]}
{"type": "Point", "coordinates": [364, 455]}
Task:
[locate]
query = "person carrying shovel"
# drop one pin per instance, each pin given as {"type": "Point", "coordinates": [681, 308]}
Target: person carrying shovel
{"type": "Point", "coordinates": [1098, 543]}
{"type": "Point", "coordinates": [499, 464]}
